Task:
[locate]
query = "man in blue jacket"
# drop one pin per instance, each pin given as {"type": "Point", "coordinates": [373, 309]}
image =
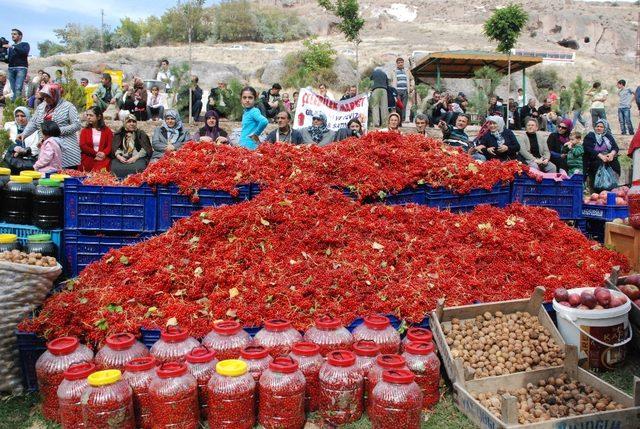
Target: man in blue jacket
{"type": "Point", "coordinates": [18, 63]}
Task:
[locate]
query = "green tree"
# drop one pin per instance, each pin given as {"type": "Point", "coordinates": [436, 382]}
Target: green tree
{"type": "Point", "coordinates": [487, 75]}
{"type": "Point", "coordinates": [128, 34]}
{"type": "Point", "coordinates": [504, 27]}
{"type": "Point", "coordinates": [80, 38]}
{"type": "Point", "coordinates": [234, 21]}
{"type": "Point", "coordinates": [578, 90]}
{"type": "Point", "coordinates": [234, 107]}
{"type": "Point", "coordinates": [311, 66]}
{"type": "Point", "coordinates": [72, 90]}
{"type": "Point", "coordinates": [49, 48]}
{"type": "Point", "coordinates": [350, 21]}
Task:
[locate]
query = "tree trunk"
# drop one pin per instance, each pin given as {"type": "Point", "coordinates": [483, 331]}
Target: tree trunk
{"type": "Point", "coordinates": [190, 86]}
{"type": "Point", "coordinates": [508, 80]}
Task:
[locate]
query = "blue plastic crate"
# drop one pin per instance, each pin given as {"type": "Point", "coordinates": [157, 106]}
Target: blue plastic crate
{"type": "Point", "coordinates": [395, 322]}
{"type": "Point", "coordinates": [440, 198]}
{"type": "Point", "coordinates": [564, 196]}
{"type": "Point", "coordinates": [30, 347]}
{"type": "Point", "coordinates": [82, 249]}
{"type": "Point", "coordinates": [150, 336]}
{"type": "Point", "coordinates": [109, 208]}
{"type": "Point", "coordinates": [23, 231]}
{"type": "Point", "coordinates": [173, 206]}
{"type": "Point", "coordinates": [605, 213]}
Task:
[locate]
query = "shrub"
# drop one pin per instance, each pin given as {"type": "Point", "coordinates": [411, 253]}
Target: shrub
{"type": "Point", "coordinates": [545, 78]}
{"type": "Point", "coordinates": [311, 66]}
{"type": "Point", "coordinates": [73, 91]}
{"type": "Point", "coordinates": [235, 109]}
{"type": "Point", "coordinates": [4, 145]}
{"type": "Point", "coordinates": [489, 78]}
{"type": "Point", "coordinates": [364, 85]}
{"type": "Point", "coordinates": [49, 48]}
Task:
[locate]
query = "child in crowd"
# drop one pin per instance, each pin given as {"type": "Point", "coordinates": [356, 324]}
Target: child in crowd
{"type": "Point", "coordinates": [575, 152]}
{"type": "Point", "coordinates": [286, 101]}
{"type": "Point", "coordinates": [50, 155]}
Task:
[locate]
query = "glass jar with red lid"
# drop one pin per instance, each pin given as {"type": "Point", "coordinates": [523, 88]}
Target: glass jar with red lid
{"type": "Point", "coordinates": [633, 198]}
{"type": "Point", "coordinates": [257, 359]}
{"type": "Point", "coordinates": [108, 401]}
{"type": "Point", "coordinates": [50, 368]}
{"type": "Point", "coordinates": [282, 393]}
{"type": "Point", "coordinates": [378, 329]}
{"type": "Point", "coordinates": [366, 352]}
{"type": "Point", "coordinates": [416, 335]}
{"type": "Point", "coordinates": [341, 388]}
{"type": "Point", "coordinates": [138, 373]}
{"type": "Point", "coordinates": [173, 395]}
{"type": "Point", "coordinates": [423, 361]}
{"type": "Point", "coordinates": [278, 336]}
{"type": "Point", "coordinates": [396, 401]}
{"type": "Point", "coordinates": [329, 334]}
{"type": "Point", "coordinates": [227, 339]}
{"type": "Point", "coordinates": [232, 396]}
{"type": "Point", "coordinates": [310, 361]}
{"type": "Point", "coordinates": [173, 346]}
{"type": "Point", "coordinates": [119, 349]}
{"type": "Point", "coordinates": [383, 362]}
{"type": "Point", "coordinates": [201, 363]}
{"type": "Point", "coordinates": [70, 394]}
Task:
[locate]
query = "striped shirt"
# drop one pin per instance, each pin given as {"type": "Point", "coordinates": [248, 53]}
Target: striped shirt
{"type": "Point", "coordinates": [402, 80]}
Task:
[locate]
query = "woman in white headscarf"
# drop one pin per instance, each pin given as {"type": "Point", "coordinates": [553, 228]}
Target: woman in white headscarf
{"type": "Point", "coordinates": [21, 155]}
{"type": "Point", "coordinates": [600, 148]}
{"type": "Point", "coordinates": [170, 136]}
{"type": "Point", "coordinates": [499, 142]}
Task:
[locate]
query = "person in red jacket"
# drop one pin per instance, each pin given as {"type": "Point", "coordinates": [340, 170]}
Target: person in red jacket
{"type": "Point", "coordinates": [95, 142]}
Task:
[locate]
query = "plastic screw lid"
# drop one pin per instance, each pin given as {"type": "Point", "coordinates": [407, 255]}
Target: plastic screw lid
{"type": "Point", "coordinates": [31, 173]}
{"type": "Point", "coordinates": [254, 352]}
{"type": "Point", "coordinates": [174, 334]}
{"type": "Point", "coordinates": [377, 322]}
{"type": "Point", "coordinates": [121, 341]}
{"type": "Point", "coordinates": [5, 171]}
{"type": "Point", "coordinates": [419, 348]}
{"type": "Point", "coordinates": [59, 177]}
{"type": "Point", "coordinates": [21, 179]}
{"type": "Point", "coordinates": [63, 345]}
{"type": "Point", "coordinates": [200, 355]}
{"type": "Point", "coordinates": [398, 376]}
{"type": "Point", "coordinates": [39, 238]}
{"type": "Point", "coordinates": [140, 364]}
{"type": "Point", "coordinates": [342, 358]}
{"type": "Point", "coordinates": [8, 238]}
{"type": "Point", "coordinates": [284, 365]}
{"type": "Point", "coordinates": [328, 322]}
{"type": "Point", "coordinates": [227, 327]}
{"type": "Point", "coordinates": [421, 335]}
{"type": "Point", "coordinates": [366, 348]}
{"type": "Point", "coordinates": [305, 348]}
{"type": "Point", "coordinates": [231, 368]}
{"type": "Point", "coordinates": [277, 325]}
{"type": "Point", "coordinates": [49, 183]}
{"type": "Point", "coordinates": [391, 361]}
{"type": "Point", "coordinates": [171, 370]}
{"type": "Point", "coordinates": [79, 371]}
{"type": "Point", "coordinates": [104, 378]}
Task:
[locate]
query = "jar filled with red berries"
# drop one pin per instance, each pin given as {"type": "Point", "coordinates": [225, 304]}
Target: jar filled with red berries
{"type": "Point", "coordinates": [383, 362]}
{"type": "Point", "coordinates": [378, 329]}
{"type": "Point", "coordinates": [70, 394]}
{"type": "Point", "coordinates": [227, 339]}
{"type": "Point", "coordinates": [173, 394]}
{"type": "Point", "coordinates": [173, 346]}
{"type": "Point", "coordinates": [201, 363]}
{"type": "Point", "coordinates": [423, 361]}
{"type": "Point", "coordinates": [231, 396]}
{"type": "Point", "coordinates": [118, 350]}
{"type": "Point", "coordinates": [341, 388]}
{"type": "Point", "coordinates": [329, 334]}
{"type": "Point", "coordinates": [138, 373]}
{"type": "Point", "coordinates": [416, 335]}
{"type": "Point", "coordinates": [108, 402]}
{"type": "Point", "coordinates": [396, 401]}
{"type": "Point", "coordinates": [282, 394]}
{"type": "Point", "coordinates": [278, 336]}
{"type": "Point", "coordinates": [310, 361]}
{"type": "Point", "coordinates": [257, 359]}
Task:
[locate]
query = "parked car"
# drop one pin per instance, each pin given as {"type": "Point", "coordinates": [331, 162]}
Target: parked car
{"type": "Point", "coordinates": [235, 48]}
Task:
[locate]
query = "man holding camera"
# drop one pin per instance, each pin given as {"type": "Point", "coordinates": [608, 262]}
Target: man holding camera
{"type": "Point", "coordinates": [17, 55]}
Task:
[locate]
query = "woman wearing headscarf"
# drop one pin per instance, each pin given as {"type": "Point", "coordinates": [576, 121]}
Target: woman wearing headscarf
{"type": "Point", "coordinates": [211, 130]}
{"type": "Point", "coordinates": [499, 142]}
{"type": "Point", "coordinates": [22, 154]}
{"type": "Point", "coordinates": [169, 136]}
{"type": "Point", "coordinates": [318, 133]}
{"type": "Point", "coordinates": [534, 150]}
{"type": "Point", "coordinates": [556, 142]}
{"type": "Point", "coordinates": [600, 148]}
{"type": "Point", "coordinates": [136, 100]}
{"type": "Point", "coordinates": [56, 109]}
{"type": "Point", "coordinates": [131, 149]}
{"type": "Point", "coordinates": [393, 123]}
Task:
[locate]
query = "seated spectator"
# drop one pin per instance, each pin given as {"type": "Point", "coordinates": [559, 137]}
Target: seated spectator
{"type": "Point", "coordinates": [155, 105]}
{"type": "Point", "coordinates": [271, 102]}
{"type": "Point", "coordinates": [495, 106]}
{"type": "Point", "coordinates": [514, 117]}
{"type": "Point", "coordinates": [498, 143]}
{"type": "Point", "coordinates": [50, 152]}
{"type": "Point", "coordinates": [422, 122]}
{"type": "Point", "coordinates": [455, 135]}
{"type": "Point", "coordinates": [136, 100]}
{"type": "Point", "coordinates": [286, 102]}
{"type": "Point", "coordinates": [59, 78]}
{"type": "Point", "coordinates": [556, 142]}
{"type": "Point", "coordinates": [106, 93]}
{"type": "Point", "coordinates": [600, 148]}
{"type": "Point", "coordinates": [218, 99]}
{"type": "Point", "coordinates": [393, 123]}
{"type": "Point", "coordinates": [353, 129]}
{"type": "Point", "coordinates": [318, 133]}
{"type": "Point", "coordinates": [121, 112]}
{"type": "Point", "coordinates": [253, 122]}
{"type": "Point", "coordinates": [131, 149]}
{"type": "Point", "coordinates": [211, 130]}
{"type": "Point", "coordinates": [351, 92]}
{"type": "Point", "coordinates": [534, 150]}
{"type": "Point", "coordinates": [294, 105]}
{"type": "Point", "coordinates": [530, 111]}
{"type": "Point", "coordinates": [284, 132]}
{"type": "Point", "coordinates": [196, 99]}
{"type": "Point", "coordinates": [543, 112]}
{"type": "Point", "coordinates": [169, 136]}
{"type": "Point", "coordinates": [20, 155]}
{"type": "Point", "coordinates": [95, 142]}
{"type": "Point", "coordinates": [6, 93]}
{"type": "Point", "coordinates": [552, 121]}
{"type": "Point", "coordinates": [37, 98]}
{"type": "Point", "coordinates": [84, 82]}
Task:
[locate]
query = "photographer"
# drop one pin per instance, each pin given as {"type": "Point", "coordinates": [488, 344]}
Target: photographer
{"type": "Point", "coordinates": [17, 55]}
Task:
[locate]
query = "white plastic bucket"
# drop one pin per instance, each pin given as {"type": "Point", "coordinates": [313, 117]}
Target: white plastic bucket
{"type": "Point", "coordinates": [600, 335]}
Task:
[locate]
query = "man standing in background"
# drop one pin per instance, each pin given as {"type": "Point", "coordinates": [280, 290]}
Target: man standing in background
{"type": "Point", "coordinates": [18, 54]}
{"type": "Point", "coordinates": [624, 107]}
{"type": "Point", "coordinates": [402, 83]}
{"type": "Point", "coordinates": [378, 101]}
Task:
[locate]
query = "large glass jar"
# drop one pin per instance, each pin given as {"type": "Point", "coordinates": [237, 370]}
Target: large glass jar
{"type": "Point", "coordinates": [282, 395]}
{"type": "Point", "coordinates": [201, 363]}
{"type": "Point", "coordinates": [34, 175]}
{"type": "Point", "coordinates": [48, 205]}
{"type": "Point", "coordinates": [310, 361]}
{"type": "Point", "coordinates": [396, 401]}
{"type": "Point", "coordinates": [383, 362]}
{"type": "Point", "coordinates": [231, 396]}
{"type": "Point", "coordinates": [173, 346]}
{"type": "Point", "coordinates": [278, 336]}
{"type": "Point", "coordinates": [422, 360]}
{"type": "Point", "coordinates": [8, 242]}
{"type": "Point", "coordinates": [329, 334]}
{"type": "Point", "coordinates": [416, 335]}
{"type": "Point", "coordinates": [174, 397]}
{"type": "Point", "coordinates": [227, 339]}
{"type": "Point", "coordinates": [257, 359]}
{"type": "Point", "coordinates": [17, 200]}
{"type": "Point", "coordinates": [366, 352]}
{"type": "Point", "coordinates": [107, 402]}
{"type": "Point", "coordinates": [70, 394]}
{"type": "Point", "coordinates": [378, 329]}
{"type": "Point", "coordinates": [341, 388]}
{"type": "Point", "coordinates": [118, 350]}
{"type": "Point", "coordinates": [42, 244]}
{"type": "Point", "coordinates": [138, 373]}
{"type": "Point", "coordinates": [50, 368]}
{"type": "Point", "coordinates": [633, 198]}
{"type": "Point", "coordinates": [5, 175]}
